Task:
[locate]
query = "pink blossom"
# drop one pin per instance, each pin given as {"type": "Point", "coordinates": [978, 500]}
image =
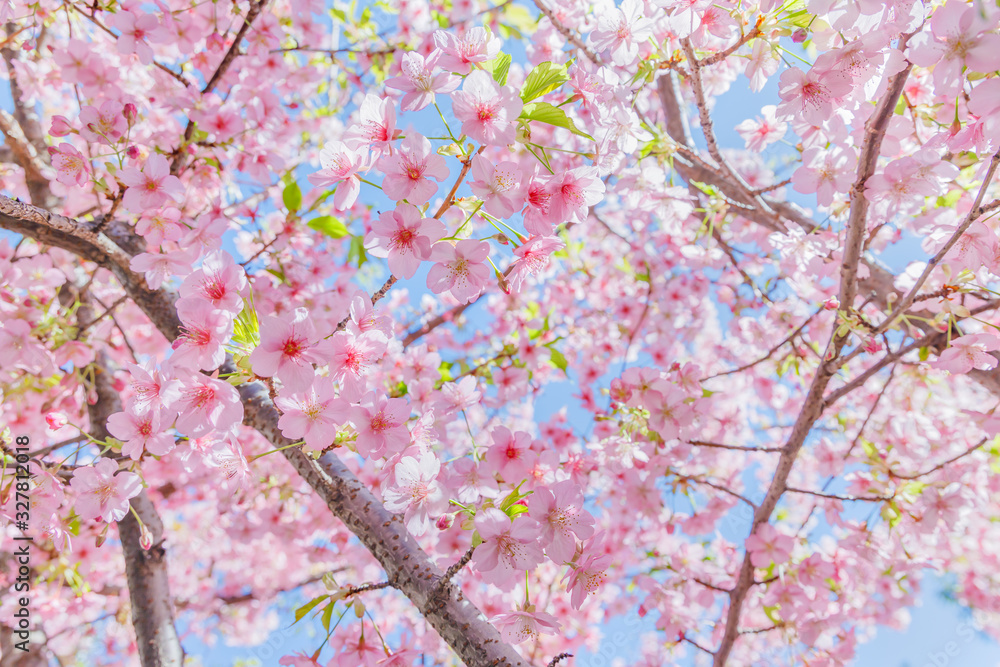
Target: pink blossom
{"type": "Point", "coordinates": [159, 226]}
{"type": "Point", "coordinates": [508, 548]}
{"type": "Point", "coordinates": [287, 350]}
{"type": "Point", "coordinates": [363, 653]}
{"type": "Point", "coordinates": [106, 125]}
{"type": "Point", "coordinates": [135, 29]}
{"type": "Point", "coordinates": [968, 352]}
{"type": "Point", "coordinates": [960, 36]}
{"type": "Point", "coordinates": [405, 237]}
{"type": "Point", "coordinates": [341, 166]}
{"type": "Point", "coordinates": [70, 164]}
{"type": "Point", "coordinates": [419, 81]}
{"type": "Point", "coordinates": [227, 455]}
{"type": "Point", "coordinates": [157, 267]}
{"type": "Point", "coordinates": [825, 172]}
{"type": "Point", "coordinates": [102, 493]}
{"type": "Point", "coordinates": [151, 187]}
{"type": "Point", "coordinates": [499, 187]}
{"type": "Point", "coordinates": [140, 432]}
{"type": "Point", "coordinates": [488, 113]}
{"type": "Point", "coordinates": [219, 281]}
{"type": "Point", "coordinates": [207, 403]}
{"type": "Point", "coordinates": [416, 491]}
{"type": "Point", "coordinates": [381, 425]}
{"type": "Point", "coordinates": [460, 52]}
{"type": "Point", "coordinates": [154, 389]}
{"type": "Point", "coordinates": [810, 95]}
{"type": "Point", "coordinates": [587, 576]}
{"type": "Point", "coordinates": [669, 411]}
{"type": "Point", "coordinates": [764, 131]}
{"type": "Point", "coordinates": [19, 349]}
{"type": "Point", "coordinates": [408, 171]}
{"type": "Point", "coordinates": [203, 334]}
{"type": "Point", "coordinates": [574, 192]}
{"type": "Point", "coordinates": [532, 256]}
{"type": "Point", "coordinates": [375, 126]}
{"type": "Point", "coordinates": [350, 357]}
{"type": "Point", "coordinates": [621, 30]}
{"type": "Point", "coordinates": [517, 627]}
{"type": "Point", "coordinates": [510, 455]}
{"type": "Point", "coordinates": [312, 415]}
{"type": "Point", "coordinates": [459, 268]}
{"type": "Point", "coordinates": [559, 511]}
{"type": "Point", "coordinates": [767, 546]}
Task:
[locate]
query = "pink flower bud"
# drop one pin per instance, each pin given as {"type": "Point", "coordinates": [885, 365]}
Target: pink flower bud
{"type": "Point", "coordinates": [215, 42]}
{"type": "Point", "coordinates": [132, 152]}
{"type": "Point", "coordinates": [130, 113]}
{"type": "Point", "coordinates": [833, 303]}
{"type": "Point", "coordinates": [620, 391]}
{"type": "Point", "coordinates": [445, 521]}
{"type": "Point", "coordinates": [55, 420]}
{"type": "Point", "coordinates": [145, 537]}
{"type": "Point", "coordinates": [60, 126]}
{"type": "Point", "coordinates": [800, 36]}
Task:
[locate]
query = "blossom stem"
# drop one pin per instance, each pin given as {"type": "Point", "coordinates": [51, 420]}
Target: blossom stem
{"type": "Point", "coordinates": [272, 451]}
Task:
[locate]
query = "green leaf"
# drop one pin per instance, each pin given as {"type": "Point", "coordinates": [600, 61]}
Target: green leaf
{"type": "Point", "coordinates": [356, 252]}
{"type": "Point", "coordinates": [558, 360]}
{"type": "Point", "coordinates": [330, 226]}
{"type": "Point", "coordinates": [292, 197]}
{"type": "Point", "coordinates": [925, 353]}
{"type": "Point", "coordinates": [327, 615]}
{"type": "Point", "coordinates": [307, 607]}
{"type": "Point", "coordinates": [514, 510]}
{"type": "Point", "coordinates": [543, 79]}
{"type": "Point", "coordinates": [772, 614]}
{"type": "Point", "coordinates": [543, 112]}
{"type": "Point", "coordinates": [501, 67]}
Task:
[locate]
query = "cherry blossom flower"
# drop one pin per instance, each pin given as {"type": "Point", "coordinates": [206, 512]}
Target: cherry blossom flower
{"type": "Point", "coordinates": [487, 111]}
{"type": "Point", "coordinates": [499, 187]}
{"type": "Point", "coordinates": [621, 30]}
{"type": "Point", "coordinates": [19, 349]}
{"type": "Point", "coordinates": [106, 125]}
{"type": "Point", "coordinates": [154, 389]}
{"type": "Point", "coordinates": [810, 95]}
{"type": "Point", "coordinates": [459, 268]}
{"type": "Point", "coordinates": [408, 171]}
{"type": "Point", "coordinates": [151, 187]}
{"type": "Point", "coordinates": [204, 332]}
{"type": "Point", "coordinates": [574, 192]}
{"type": "Point", "coordinates": [559, 511]}
{"type": "Point", "coordinates": [517, 627]}
{"type": "Point", "coordinates": [381, 425]}
{"type": "Point", "coordinates": [959, 37]}
{"type": "Point", "coordinates": [375, 127]}
{"type": "Point", "coordinates": [103, 494]}
{"type": "Point", "coordinates": [460, 52]}
{"type": "Point", "coordinates": [767, 546]}
{"type": "Point", "coordinates": [135, 30]}
{"type": "Point", "coordinates": [587, 576]}
{"type": "Point", "coordinates": [405, 237]}
{"type": "Point", "coordinates": [341, 167]}
{"type": "Point", "coordinates": [419, 82]}
{"type": "Point", "coordinates": [510, 455]}
{"type": "Point", "coordinates": [362, 653]}
{"type": "Point", "coordinates": [219, 281]}
{"type": "Point", "coordinates": [159, 226]}
{"type": "Point", "coordinates": [157, 267]}
{"type": "Point", "coordinates": [532, 256]}
{"type": "Point", "coordinates": [416, 491]}
{"type": "Point", "coordinates": [825, 172]}
{"type": "Point", "coordinates": [968, 352]}
{"type": "Point", "coordinates": [70, 164]}
{"type": "Point", "coordinates": [287, 350]}
{"type": "Point", "coordinates": [312, 415]}
{"type": "Point", "coordinates": [508, 548]}
{"type": "Point", "coordinates": [764, 131]}
{"type": "Point", "coordinates": [206, 404]}
{"type": "Point", "coordinates": [350, 356]}
{"type": "Point", "coordinates": [140, 432]}
{"type": "Point", "coordinates": [227, 456]}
